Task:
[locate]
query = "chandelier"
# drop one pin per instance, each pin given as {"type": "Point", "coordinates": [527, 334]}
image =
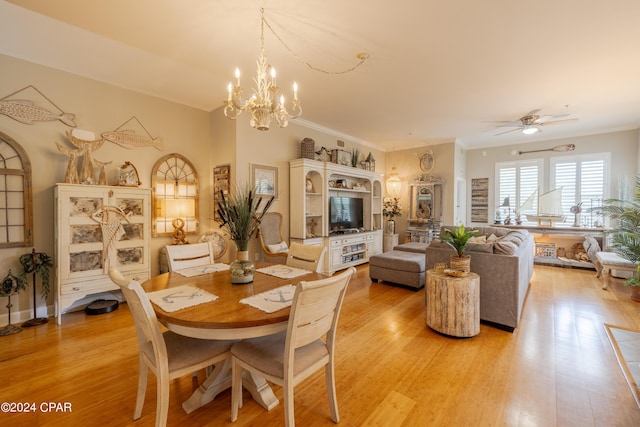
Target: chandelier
{"type": "Point", "coordinates": [264, 104]}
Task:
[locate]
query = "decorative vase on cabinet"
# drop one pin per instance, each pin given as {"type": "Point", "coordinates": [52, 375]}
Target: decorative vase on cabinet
{"type": "Point", "coordinates": [391, 227]}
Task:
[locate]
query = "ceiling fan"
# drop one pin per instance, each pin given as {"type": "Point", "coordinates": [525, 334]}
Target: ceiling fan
{"type": "Point", "coordinates": [531, 122]}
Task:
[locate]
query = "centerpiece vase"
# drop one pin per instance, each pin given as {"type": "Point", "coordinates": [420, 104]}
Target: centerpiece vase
{"type": "Point", "coordinates": [242, 269]}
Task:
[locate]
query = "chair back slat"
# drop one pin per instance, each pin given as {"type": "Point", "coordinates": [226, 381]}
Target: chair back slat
{"type": "Point", "coordinates": [308, 257]}
{"type": "Point", "coordinates": [191, 255]}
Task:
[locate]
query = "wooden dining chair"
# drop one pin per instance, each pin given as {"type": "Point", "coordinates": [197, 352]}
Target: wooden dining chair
{"type": "Point", "coordinates": [291, 356]}
{"type": "Point", "coordinates": [308, 257]}
{"type": "Point", "coordinates": [191, 255]}
{"type": "Point", "coordinates": [271, 241]}
{"type": "Point", "coordinates": [167, 354]}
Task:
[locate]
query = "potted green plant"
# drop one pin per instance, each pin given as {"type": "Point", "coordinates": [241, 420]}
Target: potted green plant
{"type": "Point", "coordinates": [241, 215]}
{"type": "Point", "coordinates": [624, 236]}
{"type": "Point", "coordinates": [458, 239]}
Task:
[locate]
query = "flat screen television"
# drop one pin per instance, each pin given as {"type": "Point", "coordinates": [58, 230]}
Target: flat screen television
{"type": "Point", "coordinates": [345, 213]}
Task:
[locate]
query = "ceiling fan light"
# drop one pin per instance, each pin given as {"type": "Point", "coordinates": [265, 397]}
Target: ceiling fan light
{"type": "Point", "coordinates": [530, 130]}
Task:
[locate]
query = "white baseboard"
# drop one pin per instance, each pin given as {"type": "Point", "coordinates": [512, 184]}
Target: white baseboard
{"type": "Point", "coordinates": [49, 311]}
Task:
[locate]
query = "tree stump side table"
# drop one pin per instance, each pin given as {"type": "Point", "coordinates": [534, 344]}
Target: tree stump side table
{"type": "Point", "coordinates": [453, 304]}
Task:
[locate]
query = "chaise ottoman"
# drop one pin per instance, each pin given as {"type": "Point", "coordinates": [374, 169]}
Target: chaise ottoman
{"type": "Point", "coordinates": [607, 261]}
{"type": "Point", "coordinates": [400, 267]}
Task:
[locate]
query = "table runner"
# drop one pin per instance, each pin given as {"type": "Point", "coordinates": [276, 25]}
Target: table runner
{"type": "Point", "coordinates": [201, 270]}
{"type": "Point", "coordinates": [283, 271]}
{"type": "Point", "coordinates": [273, 300]}
{"type": "Point", "coordinates": [174, 299]}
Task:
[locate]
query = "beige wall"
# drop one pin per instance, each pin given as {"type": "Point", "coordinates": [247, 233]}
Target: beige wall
{"type": "Point", "coordinates": [408, 168]}
{"type": "Point", "coordinates": [206, 139]}
{"type": "Point", "coordinates": [623, 147]}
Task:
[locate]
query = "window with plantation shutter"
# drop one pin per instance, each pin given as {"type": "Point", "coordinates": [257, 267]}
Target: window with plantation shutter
{"type": "Point", "coordinates": [518, 181]}
{"type": "Point", "coordinates": [584, 179]}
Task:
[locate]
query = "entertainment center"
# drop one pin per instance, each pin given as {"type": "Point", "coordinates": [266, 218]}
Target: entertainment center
{"type": "Point", "coordinates": [339, 207]}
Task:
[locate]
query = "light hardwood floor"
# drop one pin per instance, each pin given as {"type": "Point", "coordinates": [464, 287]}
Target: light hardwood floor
{"type": "Point", "coordinates": [556, 369]}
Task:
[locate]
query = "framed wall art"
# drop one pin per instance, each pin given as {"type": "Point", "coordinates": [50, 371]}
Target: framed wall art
{"type": "Point", "coordinates": [480, 200]}
{"type": "Point", "coordinates": [221, 176]}
{"type": "Point", "coordinates": [265, 180]}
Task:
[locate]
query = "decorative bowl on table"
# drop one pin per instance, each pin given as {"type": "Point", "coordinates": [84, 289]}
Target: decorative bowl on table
{"type": "Point", "coordinates": [454, 273]}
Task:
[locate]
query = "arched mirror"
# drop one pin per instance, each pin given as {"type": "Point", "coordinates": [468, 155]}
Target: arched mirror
{"type": "Point", "coordinates": [16, 216]}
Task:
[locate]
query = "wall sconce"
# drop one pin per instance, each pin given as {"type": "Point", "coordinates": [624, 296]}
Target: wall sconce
{"type": "Point", "coordinates": [394, 185]}
{"type": "Point", "coordinates": [178, 209]}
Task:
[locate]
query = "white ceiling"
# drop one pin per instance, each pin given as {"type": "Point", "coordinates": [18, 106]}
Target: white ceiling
{"type": "Point", "coordinates": [438, 70]}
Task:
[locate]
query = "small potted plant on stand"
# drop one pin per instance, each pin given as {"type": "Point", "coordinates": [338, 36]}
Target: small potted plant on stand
{"type": "Point", "coordinates": [458, 239]}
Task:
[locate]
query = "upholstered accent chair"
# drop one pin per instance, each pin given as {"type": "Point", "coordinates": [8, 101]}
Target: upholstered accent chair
{"type": "Point", "coordinates": [273, 245]}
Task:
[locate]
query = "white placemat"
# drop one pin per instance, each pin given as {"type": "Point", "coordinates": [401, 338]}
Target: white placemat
{"type": "Point", "coordinates": [273, 300]}
{"type": "Point", "coordinates": [174, 299]}
{"type": "Point", "coordinates": [200, 270]}
{"type": "Point", "coordinates": [283, 271]}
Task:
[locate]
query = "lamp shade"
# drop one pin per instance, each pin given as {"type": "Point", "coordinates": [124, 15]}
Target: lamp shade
{"type": "Point", "coordinates": [177, 208]}
{"type": "Point", "coordinates": [394, 185]}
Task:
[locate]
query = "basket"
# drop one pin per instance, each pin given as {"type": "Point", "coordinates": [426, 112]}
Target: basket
{"type": "Point", "coordinates": [546, 250]}
{"type": "Point", "coordinates": [460, 264]}
{"type": "Point", "coordinates": [440, 267]}
{"type": "Point", "coordinates": [308, 148]}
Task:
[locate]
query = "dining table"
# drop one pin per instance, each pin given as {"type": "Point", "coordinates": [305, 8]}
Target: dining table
{"type": "Point", "coordinates": [226, 318]}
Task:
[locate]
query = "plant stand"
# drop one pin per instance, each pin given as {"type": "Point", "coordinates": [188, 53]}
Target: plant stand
{"type": "Point", "coordinates": [36, 320]}
{"type": "Point", "coordinates": [9, 287]}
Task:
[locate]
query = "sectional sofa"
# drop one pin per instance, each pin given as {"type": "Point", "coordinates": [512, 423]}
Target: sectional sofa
{"type": "Point", "coordinates": [504, 260]}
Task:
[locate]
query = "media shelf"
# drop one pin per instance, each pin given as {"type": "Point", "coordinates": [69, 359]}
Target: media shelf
{"type": "Point", "coordinates": [312, 185]}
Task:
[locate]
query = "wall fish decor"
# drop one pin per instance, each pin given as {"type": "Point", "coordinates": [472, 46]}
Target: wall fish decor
{"type": "Point", "coordinates": [128, 138]}
{"type": "Point", "coordinates": [26, 111]}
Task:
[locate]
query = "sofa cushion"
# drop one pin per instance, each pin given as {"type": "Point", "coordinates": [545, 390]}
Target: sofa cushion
{"type": "Point", "coordinates": [498, 231]}
{"type": "Point", "coordinates": [480, 247]}
{"type": "Point", "coordinates": [415, 247]}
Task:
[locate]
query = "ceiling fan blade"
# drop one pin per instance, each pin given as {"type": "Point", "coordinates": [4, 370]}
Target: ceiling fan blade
{"type": "Point", "coordinates": [532, 112]}
{"type": "Point", "coordinates": [510, 130]}
{"type": "Point", "coordinates": [509, 124]}
{"type": "Point", "coordinates": [555, 122]}
{"type": "Point", "coordinates": [548, 117]}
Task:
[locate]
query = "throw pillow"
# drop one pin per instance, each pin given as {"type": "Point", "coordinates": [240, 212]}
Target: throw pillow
{"type": "Point", "coordinates": [478, 239]}
{"type": "Point", "coordinates": [505, 248]}
{"type": "Point", "coordinates": [492, 238]}
{"type": "Point", "coordinates": [278, 247]}
{"type": "Point", "coordinates": [591, 246]}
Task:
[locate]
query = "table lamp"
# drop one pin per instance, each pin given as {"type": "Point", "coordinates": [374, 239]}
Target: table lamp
{"type": "Point", "coordinates": [178, 209]}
